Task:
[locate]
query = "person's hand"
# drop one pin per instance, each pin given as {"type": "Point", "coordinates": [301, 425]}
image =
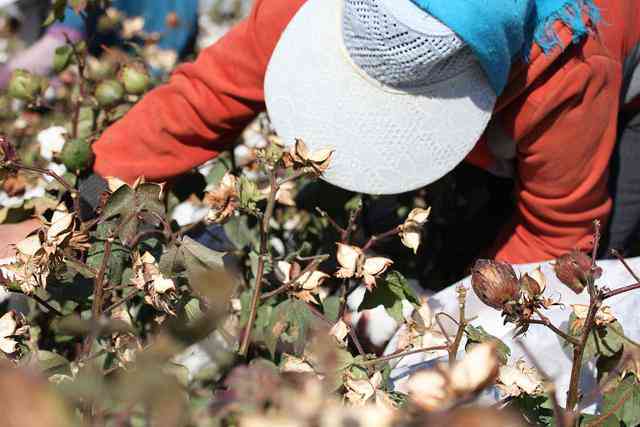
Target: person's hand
{"type": "Point", "coordinates": [10, 234]}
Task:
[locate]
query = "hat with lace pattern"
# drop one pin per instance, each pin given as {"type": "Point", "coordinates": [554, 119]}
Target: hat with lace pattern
{"type": "Point", "coordinates": [401, 97]}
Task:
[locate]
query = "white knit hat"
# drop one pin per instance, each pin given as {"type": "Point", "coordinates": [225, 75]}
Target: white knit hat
{"type": "Point", "coordinates": [396, 93]}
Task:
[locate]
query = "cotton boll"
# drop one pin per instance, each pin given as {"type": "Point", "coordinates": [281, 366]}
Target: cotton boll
{"type": "Point", "coordinates": [188, 213]}
{"type": "Point", "coordinates": [51, 141]}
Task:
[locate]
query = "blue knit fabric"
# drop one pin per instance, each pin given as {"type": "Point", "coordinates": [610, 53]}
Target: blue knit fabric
{"type": "Point", "coordinates": [155, 13]}
{"type": "Point", "coordinates": [501, 32]}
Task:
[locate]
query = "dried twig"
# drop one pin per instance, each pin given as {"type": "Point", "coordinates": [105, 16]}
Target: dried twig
{"type": "Point", "coordinates": [400, 354]}
{"type": "Point", "coordinates": [374, 239]}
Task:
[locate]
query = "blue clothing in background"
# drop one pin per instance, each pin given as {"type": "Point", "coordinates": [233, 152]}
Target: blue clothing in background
{"type": "Point", "coordinates": [155, 14]}
{"type": "Point", "coordinates": [502, 31]}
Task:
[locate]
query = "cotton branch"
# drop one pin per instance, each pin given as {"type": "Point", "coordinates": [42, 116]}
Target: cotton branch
{"type": "Point", "coordinates": [264, 252]}
{"type": "Point", "coordinates": [595, 301]}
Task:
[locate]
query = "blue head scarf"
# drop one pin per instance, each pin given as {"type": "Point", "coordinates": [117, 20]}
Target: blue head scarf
{"type": "Point", "coordinates": [502, 31]}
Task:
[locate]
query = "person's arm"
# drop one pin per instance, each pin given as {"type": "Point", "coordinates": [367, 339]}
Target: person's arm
{"type": "Point", "coordinates": [203, 108]}
{"type": "Point", "coordinates": [566, 131]}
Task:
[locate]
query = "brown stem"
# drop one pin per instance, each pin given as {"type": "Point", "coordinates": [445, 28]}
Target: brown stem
{"type": "Point", "coordinates": [374, 239]}
{"type": "Point", "coordinates": [561, 417]}
{"type": "Point", "coordinates": [443, 331]}
{"type": "Point", "coordinates": [82, 94]}
{"type": "Point", "coordinates": [98, 294]}
{"type": "Point", "coordinates": [619, 291]}
{"type": "Point", "coordinates": [343, 297]}
{"type": "Point", "coordinates": [596, 242]}
{"type": "Point", "coordinates": [351, 227]}
{"type": "Point", "coordinates": [68, 187]}
{"type": "Point", "coordinates": [462, 325]}
{"type": "Point", "coordinates": [331, 221]}
{"type": "Point", "coordinates": [293, 283]}
{"type": "Point", "coordinates": [544, 320]}
{"type": "Point", "coordinates": [624, 263]}
{"type": "Point", "coordinates": [397, 355]}
{"type": "Point", "coordinates": [119, 303]}
{"type": "Point", "coordinates": [578, 353]}
{"type": "Point", "coordinates": [293, 177]}
{"type": "Point", "coordinates": [144, 234]}
{"type": "Point", "coordinates": [264, 252]}
{"type": "Point", "coordinates": [595, 301]}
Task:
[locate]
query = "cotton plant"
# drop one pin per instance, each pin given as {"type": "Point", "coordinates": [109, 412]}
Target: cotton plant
{"type": "Point", "coordinates": [115, 300]}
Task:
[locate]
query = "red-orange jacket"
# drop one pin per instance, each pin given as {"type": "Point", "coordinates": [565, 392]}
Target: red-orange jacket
{"type": "Point", "coordinates": [557, 118]}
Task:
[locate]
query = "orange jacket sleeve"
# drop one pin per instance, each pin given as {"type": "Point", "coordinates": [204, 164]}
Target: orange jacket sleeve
{"type": "Point", "coordinates": [202, 109]}
{"type": "Point", "coordinates": [566, 132]}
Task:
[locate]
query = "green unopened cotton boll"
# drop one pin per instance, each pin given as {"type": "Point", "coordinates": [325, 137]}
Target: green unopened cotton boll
{"type": "Point", "coordinates": [25, 86]}
{"type": "Point", "coordinates": [109, 93]}
{"type": "Point", "coordinates": [136, 80]}
{"type": "Point", "coordinates": [100, 69]}
{"type": "Point", "coordinates": [77, 155]}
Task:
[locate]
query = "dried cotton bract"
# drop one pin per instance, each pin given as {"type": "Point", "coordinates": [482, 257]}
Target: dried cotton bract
{"type": "Point", "coordinates": [159, 290]}
{"type": "Point", "coordinates": [353, 263]}
{"type": "Point", "coordinates": [339, 332]}
{"type": "Point", "coordinates": [223, 201]}
{"type": "Point", "coordinates": [518, 379]}
{"type": "Point", "coordinates": [308, 282]}
{"type": "Point", "coordinates": [300, 157]}
{"type": "Point", "coordinates": [38, 253]}
{"type": "Point", "coordinates": [10, 328]}
{"type": "Point", "coordinates": [410, 231]}
{"type": "Point", "coordinates": [604, 315]}
{"type": "Point", "coordinates": [438, 388]}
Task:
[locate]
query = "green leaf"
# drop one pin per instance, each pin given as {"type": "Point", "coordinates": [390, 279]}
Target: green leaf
{"type": "Point", "coordinates": [604, 340]}
{"type": "Point", "coordinates": [57, 12]}
{"type": "Point", "coordinates": [400, 286]}
{"type": "Point", "coordinates": [238, 231]}
{"type": "Point", "coordinates": [477, 335]}
{"type": "Point", "coordinates": [79, 267]}
{"type": "Point", "coordinates": [52, 363]}
{"type": "Point", "coordinates": [390, 294]}
{"type": "Point", "coordinates": [624, 402]}
{"type": "Point", "coordinates": [290, 322]}
{"type": "Point", "coordinates": [537, 410]}
{"type": "Point", "coordinates": [149, 197]}
{"type": "Point", "coordinates": [62, 58]}
{"type": "Point", "coordinates": [219, 168]}
{"type": "Point", "coordinates": [118, 260]}
{"type": "Point", "coordinates": [192, 310]}
{"type": "Point", "coordinates": [120, 201]}
{"type": "Point", "coordinates": [198, 255]}
{"type": "Point", "coordinates": [353, 203]}
{"type": "Point", "coordinates": [343, 361]}
{"type": "Point", "coordinates": [330, 308]}
{"type": "Point", "coordinates": [172, 261]}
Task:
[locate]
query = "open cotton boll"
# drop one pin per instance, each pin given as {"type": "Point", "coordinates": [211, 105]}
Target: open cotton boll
{"type": "Point", "coordinates": [51, 141]}
{"type": "Point", "coordinates": [7, 201]}
{"type": "Point", "coordinates": [189, 213]}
